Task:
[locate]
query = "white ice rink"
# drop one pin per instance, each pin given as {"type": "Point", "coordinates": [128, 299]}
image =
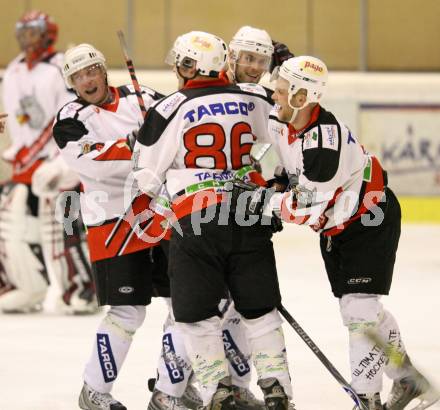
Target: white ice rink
{"type": "Point", "coordinates": [42, 356]}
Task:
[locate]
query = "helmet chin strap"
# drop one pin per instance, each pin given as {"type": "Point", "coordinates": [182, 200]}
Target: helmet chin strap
{"type": "Point", "coordinates": [296, 110]}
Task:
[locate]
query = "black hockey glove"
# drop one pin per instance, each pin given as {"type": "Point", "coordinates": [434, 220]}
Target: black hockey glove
{"type": "Point", "coordinates": [247, 198]}
{"type": "Point", "coordinates": [281, 53]}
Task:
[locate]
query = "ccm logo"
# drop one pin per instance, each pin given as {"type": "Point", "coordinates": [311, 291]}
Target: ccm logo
{"type": "Point", "coordinates": [358, 281]}
{"type": "Point", "coordinates": [126, 289]}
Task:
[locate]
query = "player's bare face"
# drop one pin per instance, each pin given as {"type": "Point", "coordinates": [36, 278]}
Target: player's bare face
{"type": "Point", "coordinates": [91, 84]}
{"type": "Point", "coordinates": [30, 39]}
{"type": "Point", "coordinates": [280, 97]}
{"type": "Point", "coordinates": [250, 67]}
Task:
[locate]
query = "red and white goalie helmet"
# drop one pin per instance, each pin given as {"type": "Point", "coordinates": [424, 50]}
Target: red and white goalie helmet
{"type": "Point", "coordinates": [41, 21]}
{"type": "Point", "coordinates": [208, 51]}
{"type": "Point", "coordinates": [309, 73]}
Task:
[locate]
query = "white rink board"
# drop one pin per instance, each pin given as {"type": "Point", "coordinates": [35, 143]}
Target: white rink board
{"type": "Point", "coordinates": [42, 356]}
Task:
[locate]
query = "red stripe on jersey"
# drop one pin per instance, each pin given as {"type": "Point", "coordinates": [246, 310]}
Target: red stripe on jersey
{"type": "Point", "coordinates": [185, 205]}
{"type": "Point", "coordinates": [119, 151]}
{"type": "Point", "coordinates": [138, 229]}
{"type": "Point", "coordinates": [370, 195]}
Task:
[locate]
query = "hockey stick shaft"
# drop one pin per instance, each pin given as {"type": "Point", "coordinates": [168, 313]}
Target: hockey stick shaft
{"type": "Point", "coordinates": [130, 66]}
{"type": "Point", "coordinates": [320, 355]}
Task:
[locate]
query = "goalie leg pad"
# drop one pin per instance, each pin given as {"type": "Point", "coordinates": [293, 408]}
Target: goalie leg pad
{"type": "Point", "coordinates": [21, 253]}
{"type": "Point", "coordinates": [67, 262]}
{"type": "Point", "coordinates": [112, 343]}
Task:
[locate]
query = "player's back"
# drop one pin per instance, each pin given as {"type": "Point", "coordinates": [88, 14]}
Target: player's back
{"type": "Point", "coordinates": [201, 135]}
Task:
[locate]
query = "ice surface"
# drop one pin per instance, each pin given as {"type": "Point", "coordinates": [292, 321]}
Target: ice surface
{"type": "Point", "coordinates": [42, 355]}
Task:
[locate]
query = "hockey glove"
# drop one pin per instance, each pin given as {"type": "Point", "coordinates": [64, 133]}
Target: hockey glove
{"type": "Point", "coordinates": [131, 139]}
{"type": "Point", "coordinates": [281, 53]}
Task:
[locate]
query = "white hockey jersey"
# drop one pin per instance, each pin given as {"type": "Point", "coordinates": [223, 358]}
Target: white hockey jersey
{"type": "Point", "coordinates": [335, 180]}
{"type": "Point", "coordinates": [92, 141]}
{"type": "Point", "coordinates": [32, 97]}
{"type": "Point", "coordinates": [197, 138]}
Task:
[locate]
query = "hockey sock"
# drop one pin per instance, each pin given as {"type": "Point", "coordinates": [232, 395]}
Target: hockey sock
{"type": "Point", "coordinates": [112, 342]}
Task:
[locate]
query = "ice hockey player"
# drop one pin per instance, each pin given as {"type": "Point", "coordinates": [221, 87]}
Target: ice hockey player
{"type": "Point", "coordinates": [341, 191]}
{"type": "Point", "coordinates": [91, 133]}
{"type": "Point", "coordinates": [194, 140]}
{"type": "Point", "coordinates": [35, 248]}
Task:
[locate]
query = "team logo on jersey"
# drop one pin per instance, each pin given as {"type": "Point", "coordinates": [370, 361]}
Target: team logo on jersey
{"type": "Point", "coordinates": [89, 146]}
{"type": "Point", "coordinates": [330, 136]}
{"type": "Point", "coordinates": [30, 112]}
{"type": "Point", "coordinates": [106, 358]}
{"type": "Point", "coordinates": [311, 139]}
{"type": "Point", "coordinates": [227, 108]}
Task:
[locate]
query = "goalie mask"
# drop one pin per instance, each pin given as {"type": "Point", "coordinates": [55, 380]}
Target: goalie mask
{"type": "Point", "coordinates": [197, 49]}
{"type": "Point", "coordinates": [36, 33]}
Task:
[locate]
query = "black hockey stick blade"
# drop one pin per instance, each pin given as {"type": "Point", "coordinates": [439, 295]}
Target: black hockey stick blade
{"type": "Point", "coordinates": [322, 358]}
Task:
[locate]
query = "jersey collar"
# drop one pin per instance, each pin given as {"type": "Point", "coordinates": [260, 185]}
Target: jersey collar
{"type": "Point", "coordinates": [112, 106]}
{"type": "Point", "coordinates": [221, 81]}
{"type": "Point", "coordinates": [294, 133]}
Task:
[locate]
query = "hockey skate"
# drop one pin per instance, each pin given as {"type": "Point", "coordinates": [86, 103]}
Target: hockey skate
{"type": "Point", "coordinates": [245, 399]}
{"type": "Point", "coordinates": [162, 401]}
{"type": "Point", "coordinates": [90, 399]}
{"type": "Point", "coordinates": [274, 395]}
{"type": "Point", "coordinates": [370, 401]}
{"type": "Point", "coordinates": [223, 398]}
{"type": "Point", "coordinates": [409, 388]}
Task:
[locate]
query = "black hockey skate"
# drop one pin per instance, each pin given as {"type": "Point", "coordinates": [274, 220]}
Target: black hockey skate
{"type": "Point", "coordinates": [409, 388]}
{"type": "Point", "coordinates": [370, 401]}
{"type": "Point", "coordinates": [274, 395]}
{"type": "Point", "coordinates": [223, 398]}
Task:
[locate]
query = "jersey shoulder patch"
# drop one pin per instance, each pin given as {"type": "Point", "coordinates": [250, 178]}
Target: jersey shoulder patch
{"type": "Point", "coordinates": [169, 104]}
{"type": "Point", "coordinates": [70, 110]}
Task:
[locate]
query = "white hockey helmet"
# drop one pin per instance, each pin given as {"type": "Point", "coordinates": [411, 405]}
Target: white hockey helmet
{"type": "Point", "coordinates": [252, 39]}
{"type": "Point", "coordinates": [306, 72]}
{"type": "Point", "coordinates": [79, 57]}
{"type": "Point", "coordinates": [207, 50]}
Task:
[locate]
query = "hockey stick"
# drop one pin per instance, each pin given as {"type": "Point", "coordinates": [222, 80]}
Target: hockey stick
{"type": "Point", "coordinates": [130, 66]}
{"type": "Point", "coordinates": [320, 355]}
{"type": "Point", "coordinates": [137, 90]}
